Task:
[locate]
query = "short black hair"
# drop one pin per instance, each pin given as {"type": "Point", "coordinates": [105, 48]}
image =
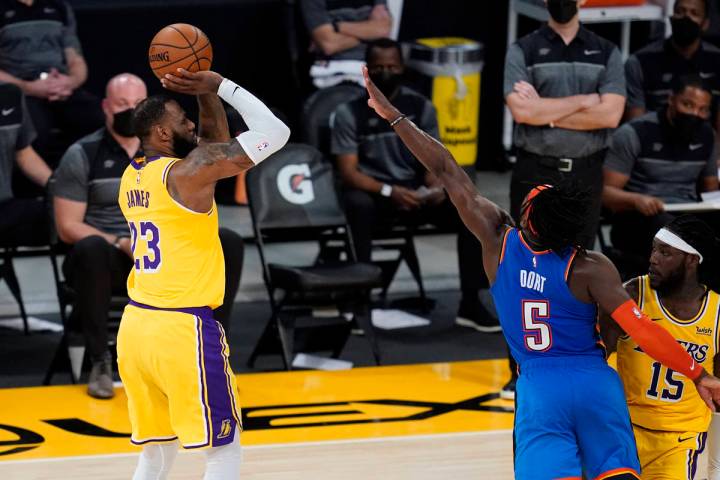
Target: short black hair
{"type": "Point", "coordinates": [689, 80]}
{"type": "Point", "coordinates": [557, 216]}
{"type": "Point", "coordinates": [702, 238]}
{"type": "Point", "coordinates": [148, 113]}
{"type": "Point", "coordinates": [382, 43]}
{"type": "Point", "coordinates": [705, 7]}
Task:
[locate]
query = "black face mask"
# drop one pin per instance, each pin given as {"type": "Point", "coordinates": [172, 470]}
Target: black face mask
{"type": "Point", "coordinates": [181, 146]}
{"type": "Point", "coordinates": [684, 31]}
{"type": "Point", "coordinates": [122, 123]}
{"type": "Point", "coordinates": [687, 127]}
{"type": "Point", "coordinates": [386, 81]}
{"type": "Point", "coordinates": [562, 11]}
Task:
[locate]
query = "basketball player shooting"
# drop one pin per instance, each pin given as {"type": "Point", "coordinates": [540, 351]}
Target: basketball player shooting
{"type": "Point", "coordinates": [172, 355]}
{"type": "Point", "coordinates": [571, 418]}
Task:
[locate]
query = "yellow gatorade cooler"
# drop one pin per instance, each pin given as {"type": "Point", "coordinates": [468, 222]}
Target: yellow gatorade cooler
{"type": "Point", "coordinates": [451, 67]}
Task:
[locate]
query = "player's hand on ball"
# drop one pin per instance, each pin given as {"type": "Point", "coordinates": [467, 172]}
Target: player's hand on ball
{"type": "Point", "coordinates": [192, 83]}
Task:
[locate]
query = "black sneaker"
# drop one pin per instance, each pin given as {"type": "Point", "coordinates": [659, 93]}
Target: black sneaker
{"type": "Point", "coordinates": [478, 317]}
{"type": "Point", "coordinates": [508, 391]}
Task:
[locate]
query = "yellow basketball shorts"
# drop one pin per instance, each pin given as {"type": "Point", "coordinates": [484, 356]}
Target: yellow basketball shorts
{"type": "Point", "coordinates": [175, 369]}
{"type": "Point", "coordinates": [668, 455]}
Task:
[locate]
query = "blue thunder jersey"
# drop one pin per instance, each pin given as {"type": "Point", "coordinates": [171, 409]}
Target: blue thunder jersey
{"type": "Point", "coordinates": [539, 315]}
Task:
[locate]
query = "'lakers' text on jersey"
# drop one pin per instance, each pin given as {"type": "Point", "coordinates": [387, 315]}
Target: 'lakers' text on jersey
{"type": "Point", "coordinates": [177, 252]}
{"type": "Point", "coordinates": [660, 398]}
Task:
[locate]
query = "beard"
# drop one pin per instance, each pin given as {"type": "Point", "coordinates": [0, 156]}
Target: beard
{"type": "Point", "coordinates": [182, 146]}
{"type": "Point", "coordinates": [670, 283]}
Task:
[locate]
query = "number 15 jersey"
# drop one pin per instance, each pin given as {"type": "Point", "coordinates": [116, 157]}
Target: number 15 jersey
{"type": "Point", "coordinates": [540, 316]}
{"type": "Point", "coordinates": [177, 253]}
{"type": "Point", "coordinates": [660, 398]}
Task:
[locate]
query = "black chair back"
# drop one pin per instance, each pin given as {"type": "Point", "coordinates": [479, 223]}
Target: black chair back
{"type": "Point", "coordinates": [293, 189]}
{"type": "Point", "coordinates": [318, 109]}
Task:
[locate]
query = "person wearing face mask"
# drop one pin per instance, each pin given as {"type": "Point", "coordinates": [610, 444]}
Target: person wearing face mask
{"type": "Point", "coordinates": [384, 184]}
{"type": "Point", "coordinates": [657, 159]}
{"type": "Point", "coordinates": [651, 70]}
{"type": "Point", "coordinates": [565, 88]}
{"type": "Point", "coordinates": [88, 218]}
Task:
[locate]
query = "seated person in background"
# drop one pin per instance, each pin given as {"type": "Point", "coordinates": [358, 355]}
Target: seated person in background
{"type": "Point", "coordinates": [23, 221]}
{"type": "Point", "coordinates": [40, 52]}
{"type": "Point", "coordinates": [656, 159]}
{"type": "Point", "coordinates": [384, 184]}
{"type": "Point", "coordinates": [88, 217]}
{"type": "Point", "coordinates": [338, 29]}
{"type": "Point", "coordinates": [650, 71]}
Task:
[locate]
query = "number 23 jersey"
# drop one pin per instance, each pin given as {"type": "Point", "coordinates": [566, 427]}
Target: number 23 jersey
{"type": "Point", "coordinates": [178, 259]}
{"type": "Point", "coordinates": [660, 398]}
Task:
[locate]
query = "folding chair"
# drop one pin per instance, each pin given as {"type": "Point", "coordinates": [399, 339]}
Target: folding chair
{"type": "Point", "coordinates": [292, 198]}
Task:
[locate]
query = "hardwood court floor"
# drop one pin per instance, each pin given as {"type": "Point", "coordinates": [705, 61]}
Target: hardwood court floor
{"type": "Point", "coordinates": [400, 422]}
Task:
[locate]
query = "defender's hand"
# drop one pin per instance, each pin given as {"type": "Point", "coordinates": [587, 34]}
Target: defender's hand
{"type": "Point", "coordinates": [378, 101]}
{"type": "Point", "coordinates": [708, 386]}
{"type": "Point", "coordinates": [192, 83]}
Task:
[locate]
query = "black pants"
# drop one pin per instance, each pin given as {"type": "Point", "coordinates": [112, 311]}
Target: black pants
{"type": "Point", "coordinates": [73, 118]}
{"type": "Point", "coordinates": [96, 270]}
{"type": "Point", "coordinates": [23, 222]}
{"type": "Point", "coordinates": [368, 213]}
{"type": "Point", "coordinates": [532, 170]}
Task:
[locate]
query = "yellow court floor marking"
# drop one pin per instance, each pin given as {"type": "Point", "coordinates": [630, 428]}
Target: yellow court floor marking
{"type": "Point", "coordinates": [278, 408]}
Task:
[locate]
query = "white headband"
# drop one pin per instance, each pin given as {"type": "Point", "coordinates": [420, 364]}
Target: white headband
{"type": "Point", "coordinates": [666, 236]}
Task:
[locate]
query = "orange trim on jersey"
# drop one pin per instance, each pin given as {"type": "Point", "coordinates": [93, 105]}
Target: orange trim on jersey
{"type": "Point", "coordinates": [569, 265]}
{"type": "Point", "coordinates": [617, 471]}
{"type": "Point", "coordinates": [522, 239]}
{"type": "Point", "coordinates": [504, 241]}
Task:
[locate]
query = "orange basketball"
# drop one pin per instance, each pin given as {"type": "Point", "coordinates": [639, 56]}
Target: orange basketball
{"type": "Point", "coordinates": [179, 46]}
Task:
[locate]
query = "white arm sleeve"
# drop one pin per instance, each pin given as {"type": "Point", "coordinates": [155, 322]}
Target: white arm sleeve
{"type": "Point", "coordinates": [266, 134]}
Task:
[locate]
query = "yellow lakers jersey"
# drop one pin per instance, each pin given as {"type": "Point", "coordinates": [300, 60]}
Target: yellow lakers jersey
{"type": "Point", "coordinates": [660, 398]}
{"type": "Point", "coordinates": [177, 253]}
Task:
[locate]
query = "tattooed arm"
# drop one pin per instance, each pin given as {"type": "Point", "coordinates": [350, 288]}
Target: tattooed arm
{"type": "Point", "coordinates": [192, 181]}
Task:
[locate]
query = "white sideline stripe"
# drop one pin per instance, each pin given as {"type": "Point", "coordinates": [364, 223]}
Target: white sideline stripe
{"type": "Point", "coordinates": [278, 445]}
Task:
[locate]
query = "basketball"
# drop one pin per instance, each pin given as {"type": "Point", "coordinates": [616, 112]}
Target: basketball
{"type": "Point", "coordinates": [179, 45]}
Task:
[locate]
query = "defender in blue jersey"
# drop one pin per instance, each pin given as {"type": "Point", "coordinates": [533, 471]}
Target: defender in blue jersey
{"type": "Point", "coordinates": [571, 418]}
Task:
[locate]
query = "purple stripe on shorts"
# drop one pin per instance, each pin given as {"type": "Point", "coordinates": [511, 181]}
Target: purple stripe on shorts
{"type": "Point", "coordinates": [220, 399]}
{"type": "Point", "coordinates": [702, 439]}
{"type": "Point", "coordinates": [203, 312]}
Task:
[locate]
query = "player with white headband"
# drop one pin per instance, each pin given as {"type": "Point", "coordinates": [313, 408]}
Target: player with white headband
{"type": "Point", "coordinates": [679, 293]}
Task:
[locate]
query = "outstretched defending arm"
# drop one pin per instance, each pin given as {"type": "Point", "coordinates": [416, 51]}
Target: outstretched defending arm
{"type": "Point", "coordinates": [481, 216]}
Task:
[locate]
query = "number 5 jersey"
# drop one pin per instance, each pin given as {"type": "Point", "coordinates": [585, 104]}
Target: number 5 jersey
{"type": "Point", "coordinates": [177, 253]}
{"type": "Point", "coordinates": [660, 398]}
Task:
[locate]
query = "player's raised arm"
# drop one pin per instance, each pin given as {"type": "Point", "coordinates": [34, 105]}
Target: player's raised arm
{"type": "Point", "coordinates": [607, 290]}
{"type": "Point", "coordinates": [481, 216]}
{"type": "Point", "coordinates": [266, 133]}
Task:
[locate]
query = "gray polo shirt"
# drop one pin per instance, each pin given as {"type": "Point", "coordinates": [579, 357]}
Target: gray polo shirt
{"type": "Point", "coordinates": [16, 132]}
{"type": "Point", "coordinates": [90, 172]}
{"type": "Point", "coordinates": [320, 12]}
{"type": "Point", "coordinates": [658, 163]}
{"type": "Point", "coordinates": [589, 64]}
{"type": "Point", "coordinates": [33, 38]}
{"type": "Point", "coordinates": [381, 154]}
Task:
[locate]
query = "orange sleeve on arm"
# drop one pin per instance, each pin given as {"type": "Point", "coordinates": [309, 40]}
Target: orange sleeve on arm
{"type": "Point", "coordinates": [655, 340]}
